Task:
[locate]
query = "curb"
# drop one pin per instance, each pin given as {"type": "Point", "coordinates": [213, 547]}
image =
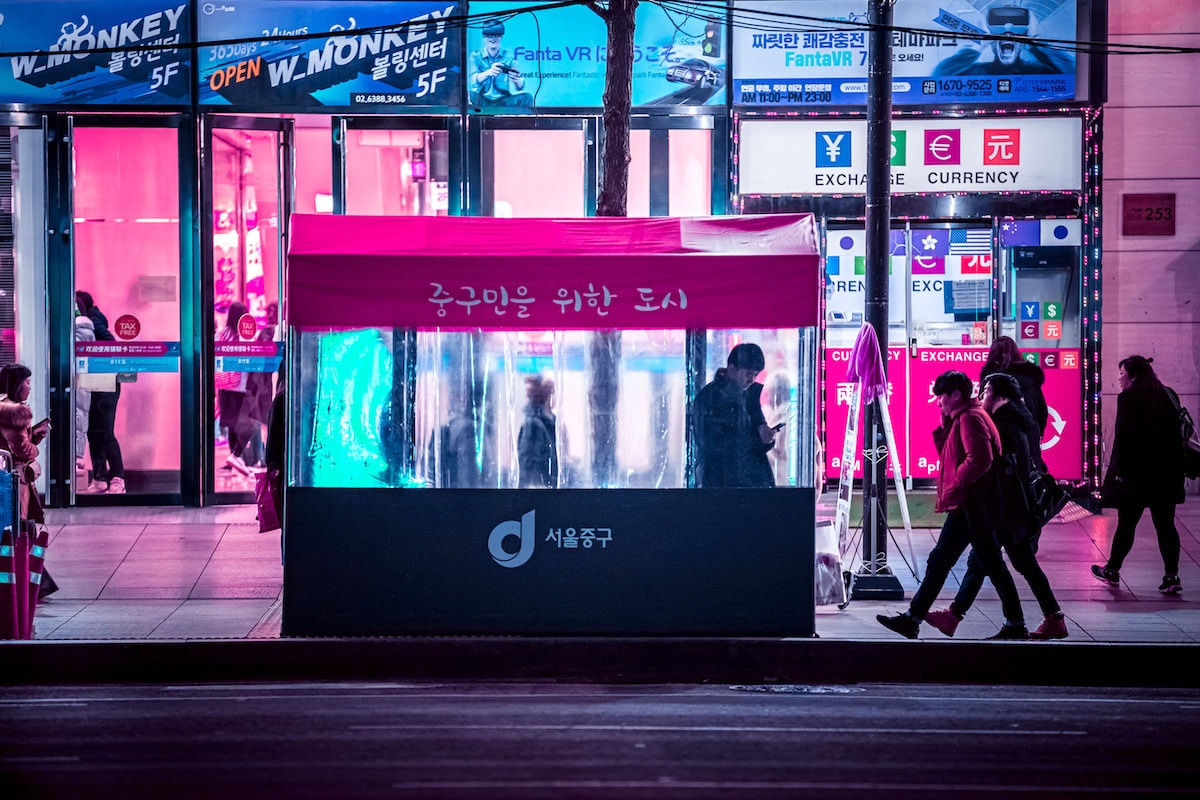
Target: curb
{"type": "Point", "coordinates": [594, 660]}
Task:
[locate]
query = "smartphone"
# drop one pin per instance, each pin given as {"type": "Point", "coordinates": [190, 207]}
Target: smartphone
{"type": "Point", "coordinates": [777, 427]}
{"type": "Point", "coordinates": [42, 423]}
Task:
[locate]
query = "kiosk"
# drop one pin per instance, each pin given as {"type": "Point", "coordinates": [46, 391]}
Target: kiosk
{"type": "Point", "coordinates": [488, 426]}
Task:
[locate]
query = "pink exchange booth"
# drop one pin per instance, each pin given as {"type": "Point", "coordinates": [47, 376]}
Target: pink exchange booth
{"type": "Point", "coordinates": [429, 358]}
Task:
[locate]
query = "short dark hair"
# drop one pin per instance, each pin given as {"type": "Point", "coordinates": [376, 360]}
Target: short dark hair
{"type": "Point", "coordinates": [747, 355]}
{"type": "Point", "coordinates": [952, 381]}
{"type": "Point", "coordinates": [1003, 385]}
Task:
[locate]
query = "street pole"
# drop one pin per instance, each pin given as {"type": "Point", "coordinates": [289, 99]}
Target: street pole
{"type": "Point", "coordinates": [875, 579]}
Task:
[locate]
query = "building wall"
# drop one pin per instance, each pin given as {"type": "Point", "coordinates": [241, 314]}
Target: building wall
{"type": "Point", "coordinates": [1151, 285]}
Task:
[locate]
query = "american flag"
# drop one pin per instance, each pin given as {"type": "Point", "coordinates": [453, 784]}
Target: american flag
{"type": "Point", "coordinates": [971, 242]}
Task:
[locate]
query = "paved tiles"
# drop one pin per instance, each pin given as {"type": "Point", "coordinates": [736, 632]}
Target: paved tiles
{"type": "Point", "coordinates": [180, 573]}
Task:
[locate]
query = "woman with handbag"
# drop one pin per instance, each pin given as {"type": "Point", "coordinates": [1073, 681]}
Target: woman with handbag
{"type": "Point", "coordinates": [22, 438]}
{"type": "Point", "coordinates": [1145, 471]}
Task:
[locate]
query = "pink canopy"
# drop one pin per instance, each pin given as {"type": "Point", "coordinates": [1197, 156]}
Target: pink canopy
{"type": "Point", "coordinates": [592, 273]}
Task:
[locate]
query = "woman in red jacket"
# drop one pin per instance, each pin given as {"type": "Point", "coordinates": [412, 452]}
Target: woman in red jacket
{"type": "Point", "coordinates": [967, 492]}
{"type": "Point", "coordinates": [19, 438]}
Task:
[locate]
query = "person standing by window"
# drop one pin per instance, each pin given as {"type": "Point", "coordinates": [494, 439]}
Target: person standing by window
{"type": "Point", "coordinates": [1146, 470]}
{"type": "Point", "coordinates": [108, 468]}
{"type": "Point", "coordinates": [21, 438]}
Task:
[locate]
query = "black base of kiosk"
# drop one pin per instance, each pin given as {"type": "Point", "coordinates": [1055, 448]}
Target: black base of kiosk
{"type": "Point", "coordinates": [578, 562]}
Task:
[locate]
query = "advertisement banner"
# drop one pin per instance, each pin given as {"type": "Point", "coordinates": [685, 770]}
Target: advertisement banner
{"type": "Point", "coordinates": [813, 53]}
{"type": "Point", "coordinates": [838, 389]}
{"type": "Point", "coordinates": [92, 52]}
{"type": "Point", "coordinates": [377, 56]}
{"type": "Point", "coordinates": [126, 357]}
{"type": "Point", "coordinates": [1062, 446]}
{"type": "Point", "coordinates": [947, 155]}
{"type": "Point", "coordinates": [518, 61]}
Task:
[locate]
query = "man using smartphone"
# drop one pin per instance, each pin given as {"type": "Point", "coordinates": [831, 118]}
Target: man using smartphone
{"type": "Point", "coordinates": [732, 434]}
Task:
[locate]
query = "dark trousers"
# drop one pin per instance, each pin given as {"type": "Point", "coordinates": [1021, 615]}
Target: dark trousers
{"type": "Point", "coordinates": [1163, 515]}
{"type": "Point", "coordinates": [956, 536]}
{"type": "Point", "coordinates": [106, 452]}
{"type": "Point", "coordinates": [1024, 560]}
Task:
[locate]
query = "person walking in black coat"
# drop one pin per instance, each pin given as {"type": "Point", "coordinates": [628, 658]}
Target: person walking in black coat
{"type": "Point", "coordinates": [1145, 471]}
{"type": "Point", "coordinates": [1004, 356]}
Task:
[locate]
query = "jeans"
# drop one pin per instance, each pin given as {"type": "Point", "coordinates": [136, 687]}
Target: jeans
{"type": "Point", "coordinates": [956, 536]}
{"type": "Point", "coordinates": [1024, 560]}
{"type": "Point", "coordinates": [1163, 515]}
{"type": "Point", "coordinates": [106, 452]}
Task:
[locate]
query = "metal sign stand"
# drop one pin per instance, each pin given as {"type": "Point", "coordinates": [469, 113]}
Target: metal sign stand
{"type": "Point", "coordinates": [847, 543]}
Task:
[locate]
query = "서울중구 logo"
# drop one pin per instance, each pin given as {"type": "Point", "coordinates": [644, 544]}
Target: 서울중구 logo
{"type": "Point", "coordinates": [523, 531]}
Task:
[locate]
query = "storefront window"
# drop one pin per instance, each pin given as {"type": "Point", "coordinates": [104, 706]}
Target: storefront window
{"type": "Point", "coordinates": [126, 249]}
{"type": "Point", "coordinates": [22, 266]}
{"type": "Point", "coordinates": [535, 173]}
{"type": "Point", "coordinates": [397, 172]}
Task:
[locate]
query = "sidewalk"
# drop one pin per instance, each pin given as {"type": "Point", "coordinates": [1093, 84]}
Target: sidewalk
{"type": "Point", "coordinates": [176, 574]}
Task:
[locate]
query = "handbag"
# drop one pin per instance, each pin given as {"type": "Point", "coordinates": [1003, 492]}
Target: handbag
{"type": "Point", "coordinates": [266, 485]}
{"type": "Point", "coordinates": [1191, 441]}
{"type": "Point", "coordinates": [1044, 496]}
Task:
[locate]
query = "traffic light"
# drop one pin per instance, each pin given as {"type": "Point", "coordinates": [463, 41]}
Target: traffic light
{"type": "Point", "coordinates": [711, 48]}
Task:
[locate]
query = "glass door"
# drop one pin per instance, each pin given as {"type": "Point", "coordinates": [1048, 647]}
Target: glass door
{"type": "Point", "coordinates": [247, 180]}
{"type": "Point", "coordinates": [23, 324]}
{"type": "Point", "coordinates": [126, 250]}
{"type": "Point", "coordinates": [396, 166]}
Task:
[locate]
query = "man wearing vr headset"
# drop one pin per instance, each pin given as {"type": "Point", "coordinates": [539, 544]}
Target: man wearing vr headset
{"type": "Point", "coordinates": [1009, 56]}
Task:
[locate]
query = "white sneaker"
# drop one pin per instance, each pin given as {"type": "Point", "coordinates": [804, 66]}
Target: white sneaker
{"type": "Point", "coordinates": [95, 487]}
{"type": "Point", "coordinates": [116, 485]}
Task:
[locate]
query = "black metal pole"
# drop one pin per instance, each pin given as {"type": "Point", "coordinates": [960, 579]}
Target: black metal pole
{"type": "Point", "coordinates": [876, 579]}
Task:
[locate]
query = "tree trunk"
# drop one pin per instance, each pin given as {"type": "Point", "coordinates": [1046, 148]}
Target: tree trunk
{"type": "Point", "coordinates": [618, 101]}
{"type": "Point", "coordinates": [612, 202]}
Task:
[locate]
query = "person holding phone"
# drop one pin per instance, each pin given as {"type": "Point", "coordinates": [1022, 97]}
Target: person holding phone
{"type": "Point", "coordinates": [21, 437]}
{"type": "Point", "coordinates": [494, 79]}
{"type": "Point", "coordinates": [732, 434]}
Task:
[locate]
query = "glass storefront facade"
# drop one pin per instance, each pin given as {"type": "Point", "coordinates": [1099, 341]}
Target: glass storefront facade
{"type": "Point", "coordinates": [164, 192]}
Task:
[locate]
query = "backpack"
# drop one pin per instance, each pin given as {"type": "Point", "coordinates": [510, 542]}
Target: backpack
{"type": "Point", "coordinates": [1187, 435]}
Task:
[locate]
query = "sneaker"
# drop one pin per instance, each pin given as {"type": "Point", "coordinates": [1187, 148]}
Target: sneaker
{"type": "Point", "coordinates": [1052, 627]}
{"type": "Point", "coordinates": [1011, 633]}
{"type": "Point", "coordinates": [902, 624]}
{"type": "Point", "coordinates": [1111, 577]}
{"type": "Point", "coordinates": [237, 464]}
{"type": "Point", "coordinates": [945, 621]}
{"type": "Point", "coordinates": [95, 487]}
{"type": "Point", "coordinates": [116, 485]}
{"type": "Point", "coordinates": [1171, 585]}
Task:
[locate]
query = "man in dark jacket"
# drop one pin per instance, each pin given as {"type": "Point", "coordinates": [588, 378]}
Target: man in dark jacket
{"type": "Point", "coordinates": [1001, 398]}
{"type": "Point", "coordinates": [968, 443]}
{"type": "Point", "coordinates": [732, 435]}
